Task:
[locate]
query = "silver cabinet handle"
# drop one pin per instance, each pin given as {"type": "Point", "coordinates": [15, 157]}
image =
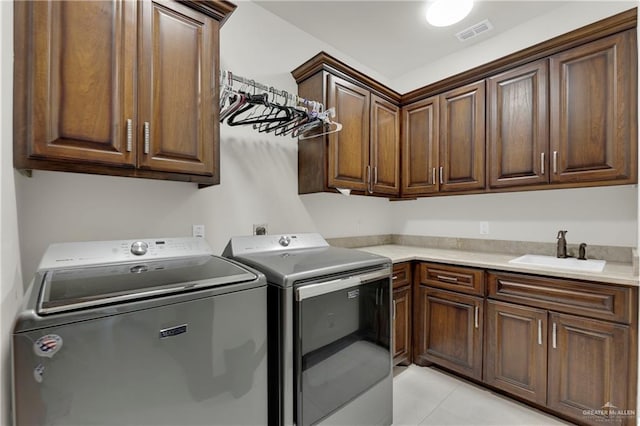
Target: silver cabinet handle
{"type": "Point", "coordinates": [554, 336]}
{"type": "Point", "coordinates": [433, 176]}
{"type": "Point", "coordinates": [375, 175]}
{"type": "Point", "coordinates": [441, 170]}
{"type": "Point", "coordinates": [147, 134]}
{"type": "Point", "coordinates": [395, 277]}
{"type": "Point", "coordinates": [477, 311]}
{"type": "Point", "coordinates": [555, 162]}
{"type": "Point", "coordinates": [394, 309]}
{"type": "Point", "coordinates": [129, 134]}
{"type": "Point", "coordinates": [542, 163]}
{"type": "Point", "coordinates": [369, 179]}
{"type": "Point", "coordinates": [539, 332]}
{"type": "Point", "coordinates": [445, 278]}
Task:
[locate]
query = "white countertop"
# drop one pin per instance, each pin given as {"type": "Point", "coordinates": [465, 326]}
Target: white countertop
{"type": "Point", "coordinates": [613, 273]}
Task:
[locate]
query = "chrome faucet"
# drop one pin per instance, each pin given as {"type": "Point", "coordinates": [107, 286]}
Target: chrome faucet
{"type": "Point", "coordinates": [561, 250]}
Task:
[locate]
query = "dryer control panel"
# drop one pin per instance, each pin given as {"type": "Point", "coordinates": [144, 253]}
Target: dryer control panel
{"type": "Point", "coordinates": [64, 255]}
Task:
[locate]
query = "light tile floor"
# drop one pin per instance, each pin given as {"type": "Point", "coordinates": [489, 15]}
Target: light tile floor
{"type": "Point", "coordinates": [427, 396]}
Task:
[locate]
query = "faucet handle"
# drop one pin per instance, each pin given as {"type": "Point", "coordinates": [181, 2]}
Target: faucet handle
{"type": "Point", "coordinates": [582, 251]}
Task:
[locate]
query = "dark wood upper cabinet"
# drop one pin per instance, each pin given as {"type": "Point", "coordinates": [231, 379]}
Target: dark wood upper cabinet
{"type": "Point", "coordinates": [79, 75]}
{"type": "Point", "coordinates": [462, 138]}
{"type": "Point", "coordinates": [420, 147]}
{"type": "Point", "coordinates": [593, 105]}
{"type": "Point", "coordinates": [385, 146]}
{"type": "Point", "coordinates": [517, 126]}
{"type": "Point", "coordinates": [117, 87]}
{"type": "Point", "coordinates": [364, 156]}
{"type": "Point", "coordinates": [349, 149]}
{"type": "Point", "coordinates": [176, 90]}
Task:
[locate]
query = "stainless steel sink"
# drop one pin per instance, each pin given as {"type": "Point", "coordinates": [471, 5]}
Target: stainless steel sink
{"type": "Point", "coordinates": [589, 265]}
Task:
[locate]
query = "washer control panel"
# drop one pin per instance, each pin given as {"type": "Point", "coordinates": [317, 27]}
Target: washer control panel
{"type": "Point", "coordinates": [265, 243]}
{"type": "Point", "coordinates": [102, 252]}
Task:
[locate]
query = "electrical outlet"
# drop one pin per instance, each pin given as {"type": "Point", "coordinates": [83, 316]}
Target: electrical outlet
{"type": "Point", "coordinates": [484, 228]}
{"type": "Point", "coordinates": [260, 229]}
{"type": "Point", "coordinates": [197, 230]}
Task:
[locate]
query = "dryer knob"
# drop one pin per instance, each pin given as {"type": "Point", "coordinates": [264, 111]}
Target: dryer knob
{"type": "Point", "coordinates": [284, 241]}
{"type": "Point", "coordinates": [139, 248]}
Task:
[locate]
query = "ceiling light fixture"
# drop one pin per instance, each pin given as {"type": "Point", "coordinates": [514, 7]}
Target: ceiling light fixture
{"type": "Point", "coordinates": [442, 13]}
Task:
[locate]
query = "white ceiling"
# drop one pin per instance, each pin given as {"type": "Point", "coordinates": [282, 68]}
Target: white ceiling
{"type": "Point", "coordinates": [393, 37]}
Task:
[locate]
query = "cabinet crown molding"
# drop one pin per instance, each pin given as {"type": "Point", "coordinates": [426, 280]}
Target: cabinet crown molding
{"type": "Point", "coordinates": [219, 10]}
{"type": "Point", "coordinates": [325, 62]}
{"type": "Point", "coordinates": [600, 29]}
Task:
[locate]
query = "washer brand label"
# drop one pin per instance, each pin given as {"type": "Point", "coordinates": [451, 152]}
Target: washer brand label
{"type": "Point", "coordinates": [173, 331]}
{"type": "Point", "coordinates": [353, 293]}
{"type": "Point", "coordinates": [47, 346]}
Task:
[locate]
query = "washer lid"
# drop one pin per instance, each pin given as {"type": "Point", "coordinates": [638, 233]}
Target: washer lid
{"type": "Point", "coordinates": [285, 267]}
{"type": "Point", "coordinates": [65, 290]}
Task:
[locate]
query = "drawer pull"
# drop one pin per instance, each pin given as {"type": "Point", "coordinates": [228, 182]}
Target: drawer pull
{"type": "Point", "coordinates": [395, 277]}
{"type": "Point", "coordinates": [540, 332]}
{"type": "Point", "coordinates": [446, 278]}
{"type": "Point", "coordinates": [555, 162]}
{"type": "Point", "coordinates": [542, 163]}
{"type": "Point", "coordinates": [441, 178]}
{"type": "Point", "coordinates": [477, 311]}
{"type": "Point", "coordinates": [555, 332]}
{"type": "Point", "coordinates": [394, 309]}
{"type": "Point", "coordinates": [433, 176]}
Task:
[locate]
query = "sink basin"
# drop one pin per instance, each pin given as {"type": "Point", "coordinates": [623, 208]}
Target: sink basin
{"type": "Point", "coordinates": [589, 265]}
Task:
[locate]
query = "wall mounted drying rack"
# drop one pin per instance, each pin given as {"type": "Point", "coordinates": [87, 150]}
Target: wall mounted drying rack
{"type": "Point", "coordinates": [298, 117]}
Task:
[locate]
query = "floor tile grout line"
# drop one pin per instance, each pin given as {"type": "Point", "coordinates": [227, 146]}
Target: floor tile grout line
{"type": "Point", "coordinates": [440, 403]}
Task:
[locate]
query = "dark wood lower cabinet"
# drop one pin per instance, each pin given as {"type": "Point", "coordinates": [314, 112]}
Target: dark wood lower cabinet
{"type": "Point", "coordinates": [515, 357]}
{"type": "Point", "coordinates": [588, 369]}
{"type": "Point", "coordinates": [450, 330]}
{"type": "Point", "coordinates": [566, 346]}
{"type": "Point", "coordinates": [402, 325]}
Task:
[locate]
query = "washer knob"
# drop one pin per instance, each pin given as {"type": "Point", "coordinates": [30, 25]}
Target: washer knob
{"type": "Point", "coordinates": [139, 248]}
{"type": "Point", "coordinates": [284, 241]}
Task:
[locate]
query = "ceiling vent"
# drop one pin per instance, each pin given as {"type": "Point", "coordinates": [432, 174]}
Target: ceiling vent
{"type": "Point", "coordinates": [474, 30]}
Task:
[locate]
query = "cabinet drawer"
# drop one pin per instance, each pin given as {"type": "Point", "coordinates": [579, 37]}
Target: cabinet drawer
{"type": "Point", "coordinates": [604, 301]}
{"type": "Point", "coordinates": [401, 274]}
{"type": "Point", "coordinates": [456, 278]}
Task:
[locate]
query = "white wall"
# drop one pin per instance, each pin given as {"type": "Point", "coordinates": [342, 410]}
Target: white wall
{"type": "Point", "coordinates": [10, 277]}
{"type": "Point", "coordinates": [597, 216]}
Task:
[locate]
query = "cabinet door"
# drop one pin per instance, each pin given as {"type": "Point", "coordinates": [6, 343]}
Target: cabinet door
{"type": "Point", "coordinates": [402, 325]}
{"type": "Point", "coordinates": [462, 138]}
{"type": "Point", "coordinates": [449, 330]}
{"type": "Point", "coordinates": [349, 148]}
{"type": "Point", "coordinates": [588, 366]}
{"type": "Point", "coordinates": [79, 81]}
{"type": "Point", "coordinates": [593, 110]}
{"type": "Point", "coordinates": [518, 131]}
{"type": "Point", "coordinates": [515, 357]}
{"type": "Point", "coordinates": [385, 146]}
{"type": "Point", "coordinates": [177, 96]}
{"type": "Point", "coordinates": [420, 147]}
